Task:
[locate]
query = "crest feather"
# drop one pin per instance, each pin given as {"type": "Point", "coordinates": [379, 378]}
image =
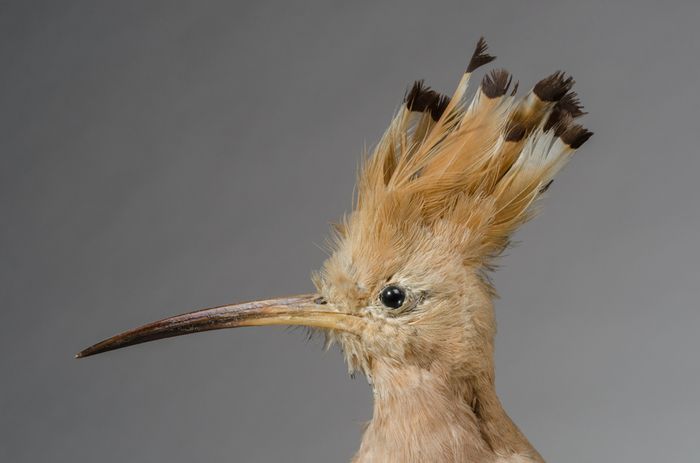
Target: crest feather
{"type": "Point", "coordinates": [470, 169]}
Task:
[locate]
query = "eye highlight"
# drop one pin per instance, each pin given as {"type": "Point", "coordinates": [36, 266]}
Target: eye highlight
{"type": "Point", "coordinates": [393, 296]}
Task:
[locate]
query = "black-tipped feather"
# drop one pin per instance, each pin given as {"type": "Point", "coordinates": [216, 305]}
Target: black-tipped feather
{"type": "Point", "coordinates": [575, 136]}
{"type": "Point", "coordinates": [480, 57]}
{"type": "Point", "coordinates": [553, 87]}
{"type": "Point", "coordinates": [426, 100]}
{"type": "Point", "coordinates": [569, 107]}
{"type": "Point", "coordinates": [496, 83]}
{"type": "Point", "coordinates": [571, 104]}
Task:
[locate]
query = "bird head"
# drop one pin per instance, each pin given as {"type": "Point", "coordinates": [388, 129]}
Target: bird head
{"type": "Point", "coordinates": [406, 283]}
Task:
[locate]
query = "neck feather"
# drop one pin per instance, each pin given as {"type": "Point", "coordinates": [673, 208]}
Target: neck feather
{"type": "Point", "coordinates": [425, 415]}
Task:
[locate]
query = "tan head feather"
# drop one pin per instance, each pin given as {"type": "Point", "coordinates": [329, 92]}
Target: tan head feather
{"type": "Point", "coordinates": [478, 166]}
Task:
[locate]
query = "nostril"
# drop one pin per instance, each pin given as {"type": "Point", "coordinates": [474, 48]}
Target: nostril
{"type": "Point", "coordinates": [321, 300]}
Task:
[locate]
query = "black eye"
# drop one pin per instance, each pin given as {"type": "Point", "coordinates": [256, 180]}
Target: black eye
{"type": "Point", "coordinates": [393, 296]}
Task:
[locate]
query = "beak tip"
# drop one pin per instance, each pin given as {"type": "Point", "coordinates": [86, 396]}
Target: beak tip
{"type": "Point", "coordinates": [85, 353]}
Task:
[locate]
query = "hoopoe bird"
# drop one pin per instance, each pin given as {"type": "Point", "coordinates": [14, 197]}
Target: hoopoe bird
{"type": "Point", "coordinates": [406, 292]}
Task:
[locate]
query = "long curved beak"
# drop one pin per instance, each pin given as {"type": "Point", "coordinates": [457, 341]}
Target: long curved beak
{"type": "Point", "coordinates": [306, 309]}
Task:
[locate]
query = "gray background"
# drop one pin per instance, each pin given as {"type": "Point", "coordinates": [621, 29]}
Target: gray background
{"type": "Point", "coordinates": [162, 156]}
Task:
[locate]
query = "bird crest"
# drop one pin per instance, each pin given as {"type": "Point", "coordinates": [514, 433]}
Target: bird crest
{"type": "Point", "coordinates": [468, 173]}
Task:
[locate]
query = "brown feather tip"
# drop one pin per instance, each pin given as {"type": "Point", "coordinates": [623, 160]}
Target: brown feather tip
{"type": "Point", "coordinates": [426, 100]}
{"type": "Point", "coordinates": [564, 111]}
{"type": "Point", "coordinates": [480, 57]}
{"type": "Point", "coordinates": [571, 104]}
{"type": "Point", "coordinates": [496, 83]}
{"type": "Point", "coordinates": [553, 87]}
{"type": "Point", "coordinates": [515, 132]}
{"type": "Point", "coordinates": [575, 136]}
